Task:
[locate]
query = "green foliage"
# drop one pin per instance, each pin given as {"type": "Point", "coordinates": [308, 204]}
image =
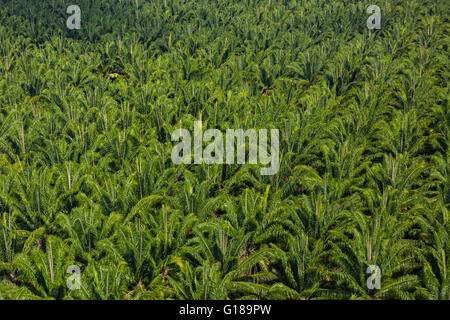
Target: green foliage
{"type": "Point", "coordinates": [86, 176]}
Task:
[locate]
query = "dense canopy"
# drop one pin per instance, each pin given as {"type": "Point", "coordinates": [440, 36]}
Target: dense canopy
{"type": "Point", "coordinates": [87, 180]}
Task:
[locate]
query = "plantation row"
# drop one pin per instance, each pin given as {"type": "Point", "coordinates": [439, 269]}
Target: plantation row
{"type": "Point", "coordinates": [86, 175]}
